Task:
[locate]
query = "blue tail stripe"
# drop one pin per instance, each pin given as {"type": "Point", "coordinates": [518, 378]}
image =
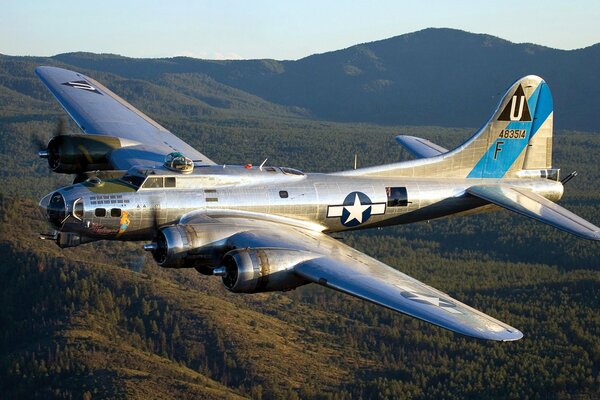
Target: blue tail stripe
{"type": "Point", "coordinates": [544, 107]}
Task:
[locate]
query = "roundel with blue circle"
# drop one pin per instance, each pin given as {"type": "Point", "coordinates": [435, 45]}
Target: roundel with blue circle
{"type": "Point", "coordinates": [355, 210]}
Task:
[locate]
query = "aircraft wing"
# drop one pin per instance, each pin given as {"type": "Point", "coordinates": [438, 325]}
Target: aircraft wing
{"type": "Point", "coordinates": [419, 147]}
{"type": "Point", "coordinates": [97, 110]}
{"type": "Point", "coordinates": [532, 205]}
{"type": "Point", "coordinates": [340, 267]}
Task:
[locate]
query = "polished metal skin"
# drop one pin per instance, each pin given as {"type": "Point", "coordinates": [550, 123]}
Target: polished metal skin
{"type": "Point", "coordinates": [266, 228]}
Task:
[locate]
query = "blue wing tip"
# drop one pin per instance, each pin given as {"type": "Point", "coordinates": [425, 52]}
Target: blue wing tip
{"type": "Point", "coordinates": [514, 335]}
{"type": "Point", "coordinates": [42, 69]}
{"type": "Point", "coordinates": [508, 335]}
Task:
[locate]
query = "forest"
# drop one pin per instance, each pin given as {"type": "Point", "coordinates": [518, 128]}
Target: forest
{"type": "Point", "coordinates": [102, 321]}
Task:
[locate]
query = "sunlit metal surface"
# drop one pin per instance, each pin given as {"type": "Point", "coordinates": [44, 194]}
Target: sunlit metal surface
{"type": "Point", "coordinates": [266, 228]}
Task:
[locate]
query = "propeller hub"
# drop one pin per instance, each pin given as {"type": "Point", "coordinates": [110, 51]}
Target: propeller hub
{"type": "Point", "coordinates": [150, 246]}
{"type": "Point", "coordinates": [43, 153]}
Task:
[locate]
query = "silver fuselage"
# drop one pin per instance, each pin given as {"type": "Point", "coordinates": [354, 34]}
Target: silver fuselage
{"type": "Point", "coordinates": [323, 201]}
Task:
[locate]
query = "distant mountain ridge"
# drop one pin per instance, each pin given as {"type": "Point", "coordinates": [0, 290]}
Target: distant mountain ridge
{"type": "Point", "coordinates": [443, 77]}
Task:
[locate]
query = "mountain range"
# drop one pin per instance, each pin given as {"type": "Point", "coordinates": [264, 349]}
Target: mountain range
{"type": "Point", "coordinates": [442, 77]}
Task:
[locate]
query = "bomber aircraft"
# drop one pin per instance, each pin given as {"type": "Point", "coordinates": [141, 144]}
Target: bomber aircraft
{"type": "Point", "coordinates": [267, 228]}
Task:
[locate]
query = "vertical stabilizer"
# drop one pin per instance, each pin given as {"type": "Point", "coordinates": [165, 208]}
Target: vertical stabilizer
{"type": "Point", "coordinates": [517, 136]}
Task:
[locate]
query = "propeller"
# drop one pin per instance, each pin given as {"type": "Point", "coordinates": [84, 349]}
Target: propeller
{"type": "Point", "coordinates": [42, 145]}
{"type": "Point", "coordinates": [158, 247]}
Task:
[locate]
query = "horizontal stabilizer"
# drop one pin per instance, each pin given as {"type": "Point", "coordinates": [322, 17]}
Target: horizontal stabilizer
{"type": "Point", "coordinates": [532, 205]}
{"type": "Point", "coordinates": [420, 148]}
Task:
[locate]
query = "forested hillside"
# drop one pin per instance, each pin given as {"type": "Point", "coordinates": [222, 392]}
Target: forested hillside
{"type": "Point", "coordinates": [102, 321]}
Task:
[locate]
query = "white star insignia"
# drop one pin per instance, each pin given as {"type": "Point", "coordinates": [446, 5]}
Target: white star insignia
{"type": "Point", "coordinates": [356, 210]}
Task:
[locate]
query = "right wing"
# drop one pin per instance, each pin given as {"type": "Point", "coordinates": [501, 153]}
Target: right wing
{"type": "Point", "coordinates": [97, 110]}
{"type": "Point", "coordinates": [420, 148]}
{"type": "Point", "coordinates": [340, 267]}
{"type": "Point", "coordinates": [532, 205]}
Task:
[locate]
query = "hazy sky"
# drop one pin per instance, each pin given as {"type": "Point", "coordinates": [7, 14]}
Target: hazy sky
{"type": "Point", "coordinates": [276, 29]}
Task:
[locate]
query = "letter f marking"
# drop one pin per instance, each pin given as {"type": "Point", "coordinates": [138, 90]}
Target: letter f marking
{"type": "Point", "coordinates": [498, 149]}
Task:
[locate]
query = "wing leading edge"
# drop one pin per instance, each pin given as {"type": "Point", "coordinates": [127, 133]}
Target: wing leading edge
{"type": "Point", "coordinates": [361, 276]}
{"type": "Point", "coordinates": [532, 205]}
{"type": "Point", "coordinates": [97, 110]}
{"type": "Point", "coordinates": [347, 270]}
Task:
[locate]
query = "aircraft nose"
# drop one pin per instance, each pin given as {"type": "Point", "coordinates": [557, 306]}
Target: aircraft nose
{"type": "Point", "coordinates": [54, 209]}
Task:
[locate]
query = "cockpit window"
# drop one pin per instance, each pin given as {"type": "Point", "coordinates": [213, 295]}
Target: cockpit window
{"type": "Point", "coordinates": [133, 180]}
{"type": "Point", "coordinates": [153, 183]}
{"type": "Point", "coordinates": [170, 182]}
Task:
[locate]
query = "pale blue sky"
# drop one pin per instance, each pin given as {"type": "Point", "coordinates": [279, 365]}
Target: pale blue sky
{"type": "Point", "coordinates": [276, 29]}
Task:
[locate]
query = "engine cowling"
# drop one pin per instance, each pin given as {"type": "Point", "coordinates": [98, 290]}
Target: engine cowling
{"type": "Point", "coordinates": [263, 269]}
{"type": "Point", "coordinates": [191, 246]}
{"type": "Point", "coordinates": [74, 154]}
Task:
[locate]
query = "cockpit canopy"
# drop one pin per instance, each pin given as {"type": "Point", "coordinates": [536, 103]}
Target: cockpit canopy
{"type": "Point", "coordinates": [176, 161]}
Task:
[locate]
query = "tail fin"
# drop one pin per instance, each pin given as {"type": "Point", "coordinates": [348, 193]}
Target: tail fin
{"type": "Point", "coordinates": [517, 136]}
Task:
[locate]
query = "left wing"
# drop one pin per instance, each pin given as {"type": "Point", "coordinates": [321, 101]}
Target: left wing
{"type": "Point", "coordinates": [532, 205]}
{"type": "Point", "coordinates": [343, 268]}
{"type": "Point", "coordinates": [97, 110]}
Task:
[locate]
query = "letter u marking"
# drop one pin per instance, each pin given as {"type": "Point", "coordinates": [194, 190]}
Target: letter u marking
{"type": "Point", "coordinates": [514, 117]}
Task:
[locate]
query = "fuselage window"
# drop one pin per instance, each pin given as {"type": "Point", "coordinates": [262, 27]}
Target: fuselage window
{"type": "Point", "coordinates": [115, 212]}
{"type": "Point", "coordinates": [153, 183]}
{"type": "Point", "coordinates": [78, 209]}
{"type": "Point", "coordinates": [283, 194]}
{"type": "Point", "coordinates": [396, 196]}
{"type": "Point", "coordinates": [170, 182]}
{"type": "Point", "coordinates": [100, 212]}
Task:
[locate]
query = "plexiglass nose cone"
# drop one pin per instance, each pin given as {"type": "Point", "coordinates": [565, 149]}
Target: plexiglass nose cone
{"type": "Point", "coordinates": [54, 209]}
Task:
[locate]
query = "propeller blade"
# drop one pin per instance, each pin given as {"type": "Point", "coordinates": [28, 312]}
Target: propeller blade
{"type": "Point", "coordinates": [154, 245]}
{"type": "Point", "coordinates": [155, 224]}
{"type": "Point", "coordinates": [60, 127]}
{"type": "Point", "coordinates": [39, 142]}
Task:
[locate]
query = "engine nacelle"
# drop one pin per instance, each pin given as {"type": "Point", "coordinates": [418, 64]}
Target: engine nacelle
{"type": "Point", "coordinates": [263, 269]}
{"type": "Point", "coordinates": [74, 154]}
{"type": "Point", "coordinates": [191, 245]}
